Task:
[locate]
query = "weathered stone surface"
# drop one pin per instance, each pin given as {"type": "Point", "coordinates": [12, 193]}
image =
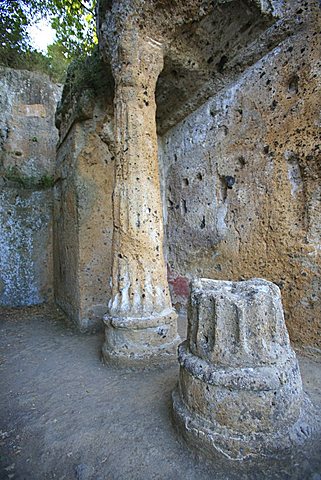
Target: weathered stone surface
{"type": "Point", "coordinates": [206, 44]}
{"type": "Point", "coordinates": [27, 134]}
{"type": "Point", "coordinates": [89, 86]}
{"type": "Point", "coordinates": [239, 175]}
{"type": "Point", "coordinates": [240, 389]}
{"type": "Point", "coordinates": [83, 222]}
{"type": "Point", "coordinates": [25, 247]}
{"type": "Point", "coordinates": [141, 323]}
{"type": "Point", "coordinates": [141, 341]}
{"type": "Point", "coordinates": [27, 159]}
{"type": "Point", "coordinates": [241, 179]}
{"type": "Point", "coordinates": [83, 218]}
{"type": "Point", "coordinates": [136, 53]}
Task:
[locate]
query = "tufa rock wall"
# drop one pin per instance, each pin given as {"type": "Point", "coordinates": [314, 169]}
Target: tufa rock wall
{"type": "Point", "coordinates": [28, 136]}
{"type": "Point", "coordinates": [83, 226]}
{"type": "Point", "coordinates": [83, 199]}
{"type": "Point", "coordinates": [239, 175]}
{"type": "Point", "coordinates": [241, 182]}
{"type": "Point", "coordinates": [25, 247]}
{"type": "Point", "coordinates": [27, 161]}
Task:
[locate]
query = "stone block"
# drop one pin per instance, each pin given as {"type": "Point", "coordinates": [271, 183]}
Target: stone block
{"type": "Point", "coordinates": [83, 226]}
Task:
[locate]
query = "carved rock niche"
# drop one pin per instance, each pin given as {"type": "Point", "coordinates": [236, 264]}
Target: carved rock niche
{"type": "Point", "coordinates": [240, 390]}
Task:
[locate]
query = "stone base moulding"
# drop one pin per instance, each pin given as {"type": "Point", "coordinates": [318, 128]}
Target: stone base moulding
{"type": "Point", "coordinates": [141, 342]}
{"type": "Point", "coordinates": [240, 390]}
{"type": "Point", "coordinates": [246, 406]}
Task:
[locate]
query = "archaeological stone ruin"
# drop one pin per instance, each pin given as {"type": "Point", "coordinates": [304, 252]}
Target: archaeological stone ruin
{"type": "Point", "coordinates": [186, 170]}
{"type": "Point", "coordinates": [240, 390]}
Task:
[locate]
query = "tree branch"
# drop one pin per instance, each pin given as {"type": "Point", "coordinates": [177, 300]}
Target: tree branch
{"type": "Point", "coordinates": [86, 8]}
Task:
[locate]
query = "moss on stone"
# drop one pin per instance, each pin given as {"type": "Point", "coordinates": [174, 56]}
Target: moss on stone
{"type": "Point", "coordinates": [15, 176]}
{"type": "Point", "coordinates": [88, 80]}
{"type": "Point", "coordinates": [89, 73]}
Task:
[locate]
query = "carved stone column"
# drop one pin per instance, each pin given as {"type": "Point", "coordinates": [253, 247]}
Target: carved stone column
{"type": "Point", "coordinates": [141, 324]}
{"type": "Point", "coordinates": [240, 391]}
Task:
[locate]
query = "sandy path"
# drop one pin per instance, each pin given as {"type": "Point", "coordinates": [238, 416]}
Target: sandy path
{"type": "Point", "coordinates": [64, 415]}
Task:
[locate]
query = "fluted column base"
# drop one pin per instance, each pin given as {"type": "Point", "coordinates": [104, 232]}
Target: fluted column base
{"type": "Point", "coordinates": [241, 412]}
{"type": "Point", "coordinates": [141, 341]}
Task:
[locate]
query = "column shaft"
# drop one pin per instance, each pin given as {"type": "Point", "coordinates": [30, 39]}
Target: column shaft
{"type": "Point", "coordinates": [140, 295]}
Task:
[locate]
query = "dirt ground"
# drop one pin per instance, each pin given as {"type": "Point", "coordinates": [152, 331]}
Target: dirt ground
{"type": "Point", "coordinates": [65, 415]}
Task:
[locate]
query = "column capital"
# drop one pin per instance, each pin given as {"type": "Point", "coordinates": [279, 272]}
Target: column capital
{"type": "Point", "coordinates": [136, 60]}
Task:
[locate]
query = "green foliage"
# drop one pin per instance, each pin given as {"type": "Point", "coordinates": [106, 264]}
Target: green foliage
{"type": "Point", "coordinates": [87, 74]}
{"type": "Point", "coordinates": [58, 62]}
{"type": "Point", "coordinates": [86, 78]}
{"type": "Point", "coordinates": [73, 21]}
{"type": "Point", "coordinates": [46, 181]}
{"type": "Point", "coordinates": [13, 25]}
{"type": "Point", "coordinates": [53, 64]}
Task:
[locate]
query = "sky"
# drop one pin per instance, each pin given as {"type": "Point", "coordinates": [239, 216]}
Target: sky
{"type": "Point", "coordinates": [41, 35]}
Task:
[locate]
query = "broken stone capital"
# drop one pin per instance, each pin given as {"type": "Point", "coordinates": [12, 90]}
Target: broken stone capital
{"type": "Point", "coordinates": [240, 390]}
